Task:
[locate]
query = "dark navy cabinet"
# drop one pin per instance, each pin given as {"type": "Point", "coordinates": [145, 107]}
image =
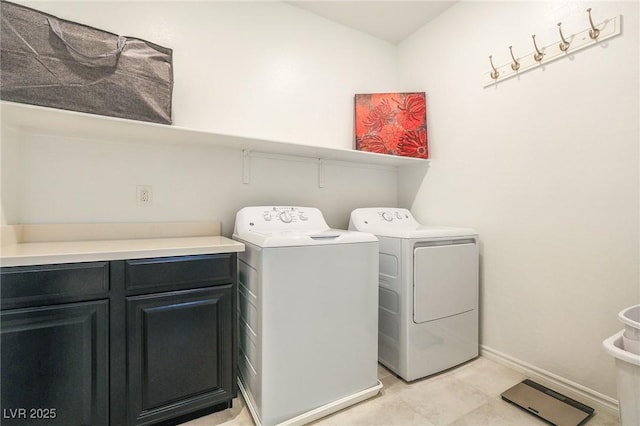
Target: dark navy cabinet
{"type": "Point", "coordinates": [54, 347]}
{"type": "Point", "coordinates": [54, 365]}
{"type": "Point", "coordinates": [148, 341]}
{"type": "Point", "coordinates": [181, 336]}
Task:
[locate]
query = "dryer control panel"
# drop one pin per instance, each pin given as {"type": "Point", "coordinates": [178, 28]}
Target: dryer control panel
{"type": "Point", "coordinates": [400, 223]}
{"type": "Point", "coordinates": [391, 215]}
{"type": "Point", "coordinates": [374, 218]}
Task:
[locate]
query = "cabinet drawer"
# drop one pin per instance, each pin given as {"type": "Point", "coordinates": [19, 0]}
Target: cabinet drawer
{"type": "Point", "coordinates": [24, 286]}
{"type": "Point", "coordinates": [176, 273]}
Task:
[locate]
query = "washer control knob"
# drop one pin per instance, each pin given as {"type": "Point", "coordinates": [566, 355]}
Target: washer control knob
{"type": "Point", "coordinates": [267, 217]}
{"type": "Point", "coordinates": [303, 216]}
{"type": "Point", "coordinates": [387, 216]}
{"type": "Point", "coordinates": [285, 216]}
{"type": "Point", "coordinates": [398, 215]}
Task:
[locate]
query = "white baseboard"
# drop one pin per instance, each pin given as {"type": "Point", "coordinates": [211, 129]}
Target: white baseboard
{"type": "Point", "coordinates": [560, 384]}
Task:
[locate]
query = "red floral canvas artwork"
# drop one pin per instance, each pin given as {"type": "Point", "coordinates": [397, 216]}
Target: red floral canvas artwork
{"type": "Point", "coordinates": [392, 123]}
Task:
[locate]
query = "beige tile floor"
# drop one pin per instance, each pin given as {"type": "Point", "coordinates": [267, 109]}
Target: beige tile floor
{"type": "Point", "coordinates": [468, 395]}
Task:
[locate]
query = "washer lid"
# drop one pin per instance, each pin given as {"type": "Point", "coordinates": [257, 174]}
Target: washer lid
{"type": "Point", "coordinates": [400, 223]}
{"type": "Point", "coordinates": [304, 238]}
{"type": "Point", "coordinates": [276, 226]}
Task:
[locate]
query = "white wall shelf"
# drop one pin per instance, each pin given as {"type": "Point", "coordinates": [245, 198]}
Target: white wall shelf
{"type": "Point", "coordinates": [76, 124]}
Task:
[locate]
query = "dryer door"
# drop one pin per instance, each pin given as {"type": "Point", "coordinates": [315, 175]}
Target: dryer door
{"type": "Point", "coordinates": [445, 281]}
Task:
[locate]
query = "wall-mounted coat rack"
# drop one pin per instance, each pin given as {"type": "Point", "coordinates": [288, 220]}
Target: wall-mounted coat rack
{"type": "Point", "coordinates": [560, 48]}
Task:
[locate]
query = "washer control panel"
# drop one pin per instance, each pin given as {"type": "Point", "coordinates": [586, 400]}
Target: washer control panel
{"type": "Point", "coordinates": [279, 218]}
{"type": "Point", "coordinates": [285, 214]}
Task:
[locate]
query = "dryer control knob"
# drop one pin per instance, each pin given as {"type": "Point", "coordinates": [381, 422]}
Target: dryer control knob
{"type": "Point", "coordinates": [387, 216]}
{"type": "Point", "coordinates": [285, 216]}
{"type": "Point", "coordinates": [267, 217]}
{"type": "Point", "coordinates": [398, 215]}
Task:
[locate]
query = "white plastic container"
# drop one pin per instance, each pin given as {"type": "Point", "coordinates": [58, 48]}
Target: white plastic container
{"type": "Point", "coordinates": [627, 379]}
{"type": "Point", "coordinates": [630, 317]}
{"type": "Point", "coordinates": [631, 345]}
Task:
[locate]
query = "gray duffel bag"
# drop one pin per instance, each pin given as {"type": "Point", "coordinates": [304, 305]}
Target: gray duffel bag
{"type": "Point", "coordinates": [56, 63]}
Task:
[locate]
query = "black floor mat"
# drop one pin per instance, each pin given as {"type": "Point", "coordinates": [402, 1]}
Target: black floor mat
{"type": "Point", "coordinates": [548, 405]}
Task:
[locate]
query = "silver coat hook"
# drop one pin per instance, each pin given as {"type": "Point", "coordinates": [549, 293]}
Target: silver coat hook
{"type": "Point", "coordinates": [515, 65]}
{"type": "Point", "coordinates": [593, 32]}
{"type": "Point", "coordinates": [564, 44]}
{"type": "Point", "coordinates": [494, 73]}
{"type": "Point", "coordinates": [538, 55]}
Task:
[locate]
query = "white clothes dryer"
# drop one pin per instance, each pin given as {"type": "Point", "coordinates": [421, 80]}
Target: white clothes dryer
{"type": "Point", "coordinates": [308, 315]}
{"type": "Point", "coordinates": [428, 284]}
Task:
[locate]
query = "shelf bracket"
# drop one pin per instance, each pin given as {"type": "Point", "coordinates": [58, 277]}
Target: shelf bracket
{"type": "Point", "coordinates": [246, 167]}
{"type": "Point", "coordinates": [320, 173]}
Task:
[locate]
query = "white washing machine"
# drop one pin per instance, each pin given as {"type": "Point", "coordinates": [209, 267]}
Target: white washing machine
{"type": "Point", "coordinates": [308, 308]}
{"type": "Point", "coordinates": [428, 301]}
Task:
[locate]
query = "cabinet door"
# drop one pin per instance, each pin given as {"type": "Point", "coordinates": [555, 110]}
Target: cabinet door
{"type": "Point", "coordinates": [180, 355]}
{"type": "Point", "coordinates": [54, 365]}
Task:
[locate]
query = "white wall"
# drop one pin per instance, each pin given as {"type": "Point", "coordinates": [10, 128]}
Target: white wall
{"type": "Point", "coordinates": [9, 175]}
{"type": "Point", "coordinates": [545, 166]}
{"type": "Point", "coordinates": [252, 68]}
{"type": "Point", "coordinates": [66, 180]}
{"type": "Point", "coordinates": [257, 69]}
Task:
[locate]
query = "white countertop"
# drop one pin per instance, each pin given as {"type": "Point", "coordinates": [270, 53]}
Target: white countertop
{"type": "Point", "coordinates": [22, 253]}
